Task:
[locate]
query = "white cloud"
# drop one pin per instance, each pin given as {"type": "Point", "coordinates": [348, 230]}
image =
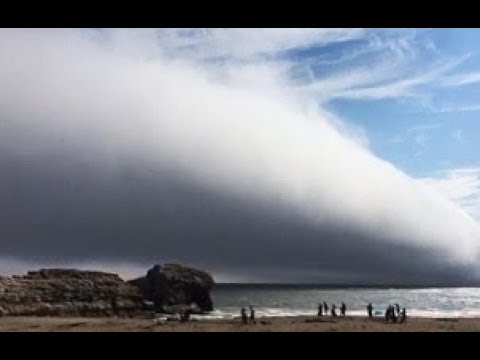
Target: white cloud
{"type": "Point", "coordinates": [456, 108]}
{"type": "Point", "coordinates": [461, 186]}
{"type": "Point", "coordinates": [401, 87]}
{"type": "Point", "coordinates": [247, 134]}
{"type": "Point", "coordinates": [418, 134]}
{"type": "Point", "coordinates": [461, 79]}
{"type": "Point", "coordinates": [247, 43]}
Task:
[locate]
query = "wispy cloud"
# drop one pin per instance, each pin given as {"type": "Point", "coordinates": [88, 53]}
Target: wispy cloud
{"type": "Point", "coordinates": [247, 44]}
{"type": "Point", "coordinates": [455, 108]}
{"type": "Point", "coordinates": [394, 74]}
{"type": "Point", "coordinates": [419, 135]}
{"type": "Point", "coordinates": [401, 87]}
{"type": "Point", "coordinates": [458, 135]}
{"type": "Point", "coordinates": [424, 127]}
{"type": "Point", "coordinates": [459, 185]}
{"type": "Point", "coordinates": [393, 71]}
{"type": "Point", "coordinates": [461, 79]}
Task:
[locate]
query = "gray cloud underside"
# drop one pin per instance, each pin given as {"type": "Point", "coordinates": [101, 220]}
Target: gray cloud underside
{"type": "Point", "coordinates": [59, 208]}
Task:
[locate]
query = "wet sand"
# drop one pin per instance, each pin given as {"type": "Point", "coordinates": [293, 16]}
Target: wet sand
{"type": "Point", "coordinates": [277, 324]}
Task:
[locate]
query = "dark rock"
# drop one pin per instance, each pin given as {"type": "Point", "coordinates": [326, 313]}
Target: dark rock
{"type": "Point", "coordinates": [67, 292]}
{"type": "Point", "coordinates": [174, 284]}
{"type": "Point", "coordinates": [70, 292]}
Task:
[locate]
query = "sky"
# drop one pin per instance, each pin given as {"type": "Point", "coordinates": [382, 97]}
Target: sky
{"type": "Point", "coordinates": [264, 155]}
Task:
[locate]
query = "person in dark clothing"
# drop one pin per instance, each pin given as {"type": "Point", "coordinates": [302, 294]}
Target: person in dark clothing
{"type": "Point", "coordinates": [370, 310]}
{"type": "Point", "coordinates": [403, 316]}
{"type": "Point", "coordinates": [393, 316]}
{"type": "Point", "coordinates": [252, 315]}
{"type": "Point", "coordinates": [388, 313]}
{"type": "Point", "coordinates": [325, 308]}
{"type": "Point", "coordinates": [185, 316]}
{"type": "Point", "coordinates": [320, 310]}
{"type": "Point", "coordinates": [243, 313]}
{"type": "Point", "coordinates": [334, 313]}
{"type": "Point", "coordinates": [343, 309]}
{"type": "Point", "coordinates": [397, 309]}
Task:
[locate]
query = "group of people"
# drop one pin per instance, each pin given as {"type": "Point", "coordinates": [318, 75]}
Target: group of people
{"type": "Point", "coordinates": [251, 318]}
{"type": "Point", "coordinates": [323, 308]}
{"type": "Point", "coordinates": [393, 313]}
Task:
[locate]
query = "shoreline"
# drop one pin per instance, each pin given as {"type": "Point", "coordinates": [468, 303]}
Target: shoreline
{"type": "Point", "coordinates": [263, 324]}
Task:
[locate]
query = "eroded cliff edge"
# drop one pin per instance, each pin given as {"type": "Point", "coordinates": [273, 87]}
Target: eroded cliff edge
{"type": "Point", "coordinates": [71, 292]}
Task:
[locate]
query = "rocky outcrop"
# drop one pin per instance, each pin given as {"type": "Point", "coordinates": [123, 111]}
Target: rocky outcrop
{"type": "Point", "coordinates": [175, 285]}
{"type": "Point", "coordinates": [69, 292]}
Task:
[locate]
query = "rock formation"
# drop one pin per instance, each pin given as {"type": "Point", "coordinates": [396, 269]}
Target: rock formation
{"type": "Point", "coordinates": [174, 284]}
{"type": "Point", "coordinates": [69, 292]}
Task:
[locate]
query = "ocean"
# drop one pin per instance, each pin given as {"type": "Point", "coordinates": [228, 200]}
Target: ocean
{"type": "Point", "coordinates": [274, 300]}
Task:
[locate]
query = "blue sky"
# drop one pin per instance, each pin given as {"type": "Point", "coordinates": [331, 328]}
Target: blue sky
{"type": "Point", "coordinates": [436, 128]}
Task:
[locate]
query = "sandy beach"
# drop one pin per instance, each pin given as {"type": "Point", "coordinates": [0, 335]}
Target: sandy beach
{"type": "Point", "coordinates": [276, 324]}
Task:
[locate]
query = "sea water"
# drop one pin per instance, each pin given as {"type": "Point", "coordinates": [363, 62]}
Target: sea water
{"type": "Point", "coordinates": [297, 300]}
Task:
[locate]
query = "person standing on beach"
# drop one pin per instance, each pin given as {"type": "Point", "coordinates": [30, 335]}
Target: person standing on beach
{"type": "Point", "coordinates": [397, 309]}
{"type": "Point", "coordinates": [370, 310]}
{"type": "Point", "coordinates": [334, 313]}
{"type": "Point", "coordinates": [403, 316]}
{"type": "Point", "coordinates": [252, 315]}
{"type": "Point", "coordinates": [243, 313]}
{"type": "Point", "coordinates": [343, 309]}
{"type": "Point", "coordinates": [320, 310]}
{"type": "Point", "coordinates": [325, 307]}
